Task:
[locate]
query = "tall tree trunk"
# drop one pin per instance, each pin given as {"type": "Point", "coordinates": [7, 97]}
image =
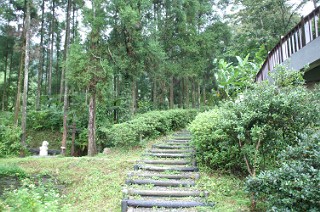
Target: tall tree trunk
{"type": "Point", "coordinates": [198, 95]}
{"type": "Point", "coordinates": [162, 94]}
{"type": "Point", "coordinates": [155, 94]}
{"type": "Point", "coordinates": [193, 93]}
{"type": "Point", "coordinates": [65, 82]}
{"type": "Point", "coordinates": [116, 96]}
{"type": "Point", "coordinates": [63, 72]}
{"type": "Point", "coordinates": [57, 60]}
{"type": "Point", "coordinates": [181, 96]}
{"type": "Point", "coordinates": [133, 96]}
{"type": "Point", "coordinates": [26, 73]}
{"type": "Point", "coordinates": [47, 71]}
{"type": "Point", "coordinates": [92, 146]}
{"type": "Point", "coordinates": [74, 27]}
{"type": "Point", "coordinates": [19, 82]}
{"type": "Point", "coordinates": [204, 95]}
{"type": "Point", "coordinates": [18, 97]}
{"type": "Point", "coordinates": [9, 79]}
{"type": "Point", "coordinates": [74, 130]}
{"type": "Point", "coordinates": [171, 98]}
{"type": "Point", "coordinates": [4, 94]}
{"type": "Point", "coordinates": [51, 51]}
{"type": "Point", "coordinates": [41, 58]}
{"type": "Point", "coordinates": [186, 91]}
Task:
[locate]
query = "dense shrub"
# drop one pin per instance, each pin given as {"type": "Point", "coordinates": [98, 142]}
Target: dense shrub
{"type": "Point", "coordinates": [45, 119]}
{"type": "Point", "coordinates": [10, 144]}
{"type": "Point", "coordinates": [211, 136]}
{"type": "Point", "coordinates": [247, 134]}
{"type": "Point", "coordinates": [294, 186]}
{"type": "Point", "coordinates": [145, 126]}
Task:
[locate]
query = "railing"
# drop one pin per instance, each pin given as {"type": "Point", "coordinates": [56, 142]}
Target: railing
{"type": "Point", "coordinates": [302, 34]}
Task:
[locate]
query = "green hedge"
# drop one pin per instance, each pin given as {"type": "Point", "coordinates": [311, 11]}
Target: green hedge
{"type": "Point", "coordinates": [246, 136]}
{"type": "Point", "coordinates": [257, 126]}
{"type": "Point", "coordinates": [146, 126]}
{"type": "Point", "coordinates": [294, 186]}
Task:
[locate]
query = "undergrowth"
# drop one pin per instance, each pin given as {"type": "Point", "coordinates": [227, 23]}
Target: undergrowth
{"type": "Point", "coordinates": [95, 183]}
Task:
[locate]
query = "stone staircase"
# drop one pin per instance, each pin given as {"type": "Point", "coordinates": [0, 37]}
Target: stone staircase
{"type": "Point", "coordinates": [164, 180]}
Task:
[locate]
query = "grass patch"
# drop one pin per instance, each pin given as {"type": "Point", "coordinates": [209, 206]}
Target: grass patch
{"type": "Point", "coordinates": [11, 170]}
{"type": "Point", "coordinates": [226, 191]}
{"type": "Point", "coordinates": [91, 184]}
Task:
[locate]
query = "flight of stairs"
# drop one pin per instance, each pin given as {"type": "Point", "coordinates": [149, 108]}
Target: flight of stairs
{"type": "Point", "coordinates": [164, 180]}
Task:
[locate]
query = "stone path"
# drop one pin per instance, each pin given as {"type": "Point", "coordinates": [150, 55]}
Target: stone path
{"type": "Point", "coordinates": [164, 180]}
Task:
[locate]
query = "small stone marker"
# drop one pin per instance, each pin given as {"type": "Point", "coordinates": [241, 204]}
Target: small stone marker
{"type": "Point", "coordinates": [44, 149]}
{"type": "Point", "coordinates": [106, 151]}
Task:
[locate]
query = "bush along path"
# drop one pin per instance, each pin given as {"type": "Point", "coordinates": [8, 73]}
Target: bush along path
{"type": "Point", "coordinates": [164, 179]}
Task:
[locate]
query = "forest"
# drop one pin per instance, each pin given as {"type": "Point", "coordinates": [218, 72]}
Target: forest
{"type": "Point", "coordinates": [90, 74]}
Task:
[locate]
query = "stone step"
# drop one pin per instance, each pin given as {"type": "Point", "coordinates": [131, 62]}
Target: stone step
{"type": "Point", "coordinates": [178, 141]}
{"type": "Point", "coordinates": [168, 155]}
{"type": "Point", "coordinates": [164, 179]}
{"type": "Point", "coordinates": [167, 183]}
{"type": "Point", "coordinates": [132, 209]}
{"type": "Point", "coordinates": [173, 151]}
{"type": "Point", "coordinates": [167, 146]}
{"type": "Point", "coordinates": [182, 138]}
{"type": "Point", "coordinates": [165, 168]}
{"type": "Point", "coordinates": [165, 193]}
{"type": "Point", "coordinates": [166, 204]}
{"type": "Point", "coordinates": [179, 144]}
{"type": "Point", "coordinates": [163, 175]}
{"type": "Point", "coordinates": [167, 162]}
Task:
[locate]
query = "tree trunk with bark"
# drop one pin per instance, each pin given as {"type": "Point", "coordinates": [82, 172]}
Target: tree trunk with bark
{"type": "Point", "coordinates": [18, 97]}
{"type": "Point", "coordinates": [181, 96]}
{"type": "Point", "coordinates": [26, 74]}
{"type": "Point", "coordinates": [204, 95]}
{"type": "Point", "coordinates": [4, 94]}
{"type": "Point", "coordinates": [133, 96]}
{"type": "Point", "coordinates": [171, 99]}
{"type": "Point", "coordinates": [199, 95]}
{"type": "Point", "coordinates": [51, 51]}
{"type": "Point", "coordinates": [186, 92]}
{"type": "Point", "coordinates": [41, 58]}
{"type": "Point", "coordinates": [92, 146]}
{"type": "Point", "coordinates": [155, 94]}
{"type": "Point", "coordinates": [193, 93]}
{"type": "Point", "coordinates": [64, 82]}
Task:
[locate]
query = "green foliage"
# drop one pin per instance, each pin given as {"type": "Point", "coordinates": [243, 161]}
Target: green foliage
{"type": "Point", "coordinates": [232, 79]}
{"type": "Point", "coordinates": [146, 126]}
{"type": "Point", "coordinates": [12, 170]}
{"type": "Point", "coordinates": [45, 119]}
{"type": "Point", "coordinates": [210, 131]}
{"type": "Point", "coordinates": [294, 186]}
{"type": "Point", "coordinates": [10, 144]}
{"type": "Point", "coordinates": [32, 197]}
{"type": "Point", "coordinates": [262, 22]}
{"type": "Point", "coordinates": [257, 126]}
